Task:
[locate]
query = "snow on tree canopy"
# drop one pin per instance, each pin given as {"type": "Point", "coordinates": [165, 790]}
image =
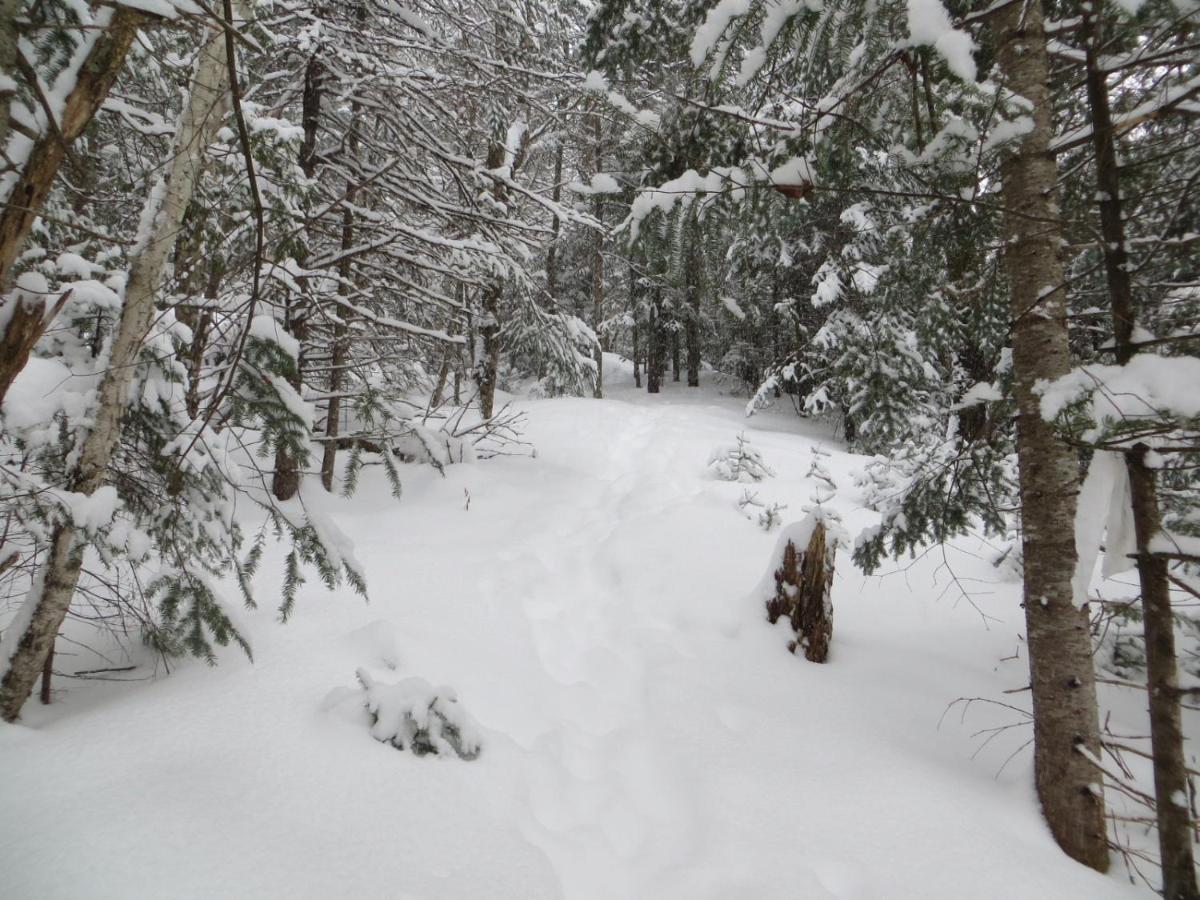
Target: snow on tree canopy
{"type": "Point", "coordinates": [601, 183]}
{"type": "Point", "coordinates": [929, 23]}
{"type": "Point", "coordinates": [268, 328]}
{"type": "Point", "coordinates": [1147, 386]}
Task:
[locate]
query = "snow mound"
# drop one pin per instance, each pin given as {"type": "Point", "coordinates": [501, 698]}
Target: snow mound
{"type": "Point", "coordinates": [377, 640]}
{"type": "Point", "coordinates": [414, 715]}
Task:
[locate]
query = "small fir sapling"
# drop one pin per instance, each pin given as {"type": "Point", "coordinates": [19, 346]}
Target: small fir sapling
{"type": "Point", "coordinates": [739, 462]}
{"type": "Point", "coordinates": [769, 516]}
{"type": "Point", "coordinates": [772, 516]}
{"type": "Point", "coordinates": [818, 472]}
{"type": "Point", "coordinates": [748, 501]}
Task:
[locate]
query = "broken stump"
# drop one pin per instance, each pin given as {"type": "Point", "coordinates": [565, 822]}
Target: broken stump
{"type": "Point", "coordinates": [803, 588]}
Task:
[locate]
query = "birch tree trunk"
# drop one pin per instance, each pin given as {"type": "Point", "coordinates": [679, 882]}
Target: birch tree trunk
{"type": "Point", "coordinates": [99, 68]}
{"type": "Point", "coordinates": [45, 608]}
{"type": "Point", "coordinates": [1162, 682]}
{"type": "Point", "coordinates": [1060, 649]}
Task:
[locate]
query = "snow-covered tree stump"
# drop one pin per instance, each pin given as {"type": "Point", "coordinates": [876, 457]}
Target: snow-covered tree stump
{"type": "Point", "coordinates": [803, 584]}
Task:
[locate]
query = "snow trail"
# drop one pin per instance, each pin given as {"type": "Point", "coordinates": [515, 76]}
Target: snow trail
{"type": "Point", "coordinates": [646, 734]}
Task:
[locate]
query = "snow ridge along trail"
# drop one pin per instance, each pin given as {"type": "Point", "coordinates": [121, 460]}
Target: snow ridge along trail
{"type": "Point", "coordinates": [646, 734]}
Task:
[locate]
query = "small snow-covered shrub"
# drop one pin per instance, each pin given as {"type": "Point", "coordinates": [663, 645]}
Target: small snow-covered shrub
{"type": "Point", "coordinates": [436, 447]}
{"type": "Point", "coordinates": [739, 462]}
{"type": "Point", "coordinates": [414, 715]}
{"type": "Point", "coordinates": [771, 516]}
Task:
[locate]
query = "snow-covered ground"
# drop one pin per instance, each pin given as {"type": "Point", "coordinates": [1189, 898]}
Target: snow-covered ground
{"type": "Point", "coordinates": [646, 735]}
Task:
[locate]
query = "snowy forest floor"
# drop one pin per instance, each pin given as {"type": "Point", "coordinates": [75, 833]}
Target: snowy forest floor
{"type": "Point", "coordinates": [646, 734]}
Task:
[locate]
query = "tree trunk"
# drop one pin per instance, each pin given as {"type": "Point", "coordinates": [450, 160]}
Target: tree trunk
{"type": "Point", "coordinates": [439, 388]}
{"type": "Point", "coordinates": [339, 355]}
{"type": "Point", "coordinates": [285, 479]}
{"type": "Point", "coordinates": [23, 656]}
{"type": "Point", "coordinates": [675, 352]}
{"type": "Point", "coordinates": [8, 61]}
{"type": "Point", "coordinates": [598, 260]}
{"type": "Point", "coordinates": [633, 314]}
{"type": "Point", "coordinates": [340, 352]}
{"type": "Point", "coordinates": [692, 323]}
{"type": "Point", "coordinates": [48, 675]}
{"type": "Point", "coordinates": [27, 196]}
{"type": "Point", "coordinates": [637, 371]}
{"type": "Point", "coordinates": [488, 348]}
{"type": "Point", "coordinates": [1065, 717]}
{"type": "Point", "coordinates": [654, 348]}
{"type": "Point", "coordinates": [487, 355]}
{"type": "Point", "coordinates": [1171, 787]}
{"type": "Point", "coordinates": [555, 226]}
{"type": "Point", "coordinates": [333, 412]}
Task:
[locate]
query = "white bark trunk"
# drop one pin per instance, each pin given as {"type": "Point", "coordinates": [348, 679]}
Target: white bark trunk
{"type": "Point", "coordinates": [206, 107]}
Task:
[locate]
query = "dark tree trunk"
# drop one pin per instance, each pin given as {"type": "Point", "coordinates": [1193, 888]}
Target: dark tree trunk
{"type": "Point", "coordinates": [8, 60]}
{"type": "Point", "coordinates": [555, 227]}
{"type": "Point", "coordinates": [637, 370]}
{"type": "Point", "coordinates": [285, 481]}
{"type": "Point", "coordinates": [692, 322]}
{"type": "Point", "coordinates": [1062, 680]}
{"type": "Point", "coordinates": [1171, 787]}
{"type": "Point", "coordinates": [340, 350]}
{"type": "Point", "coordinates": [28, 321]}
{"type": "Point", "coordinates": [439, 389]}
{"type": "Point", "coordinates": [633, 315]}
{"type": "Point", "coordinates": [597, 262]}
{"type": "Point", "coordinates": [48, 675]}
{"type": "Point", "coordinates": [675, 353]}
{"type": "Point", "coordinates": [487, 363]}
{"type": "Point", "coordinates": [654, 348]}
{"type": "Point", "coordinates": [333, 413]}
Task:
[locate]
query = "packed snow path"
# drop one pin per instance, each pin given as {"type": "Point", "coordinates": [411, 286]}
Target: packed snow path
{"type": "Point", "coordinates": [646, 734]}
